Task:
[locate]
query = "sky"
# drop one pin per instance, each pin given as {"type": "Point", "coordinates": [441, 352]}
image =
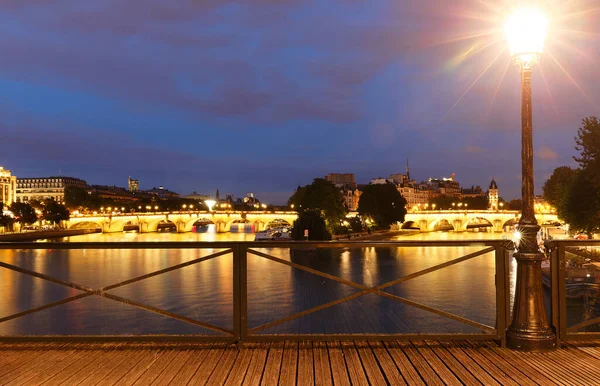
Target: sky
{"type": "Point", "coordinates": [264, 95]}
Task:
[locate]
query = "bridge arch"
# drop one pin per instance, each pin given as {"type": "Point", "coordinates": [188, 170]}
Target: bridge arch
{"type": "Point", "coordinates": [86, 225]}
{"type": "Point", "coordinates": [410, 225]}
{"type": "Point", "coordinates": [152, 226]}
{"type": "Point", "coordinates": [189, 224]}
{"type": "Point", "coordinates": [440, 223]}
{"type": "Point", "coordinates": [278, 222]}
{"type": "Point", "coordinates": [479, 219]}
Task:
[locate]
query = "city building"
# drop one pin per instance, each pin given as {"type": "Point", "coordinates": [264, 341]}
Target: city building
{"type": "Point", "coordinates": [493, 195]}
{"type": "Point", "coordinates": [133, 185]}
{"type": "Point", "coordinates": [116, 193]}
{"type": "Point", "coordinates": [474, 191]}
{"type": "Point", "coordinates": [162, 193]}
{"type": "Point", "coordinates": [340, 178]}
{"type": "Point", "coordinates": [197, 196]}
{"type": "Point", "coordinates": [46, 187]}
{"type": "Point", "coordinates": [446, 186]}
{"type": "Point", "coordinates": [8, 187]}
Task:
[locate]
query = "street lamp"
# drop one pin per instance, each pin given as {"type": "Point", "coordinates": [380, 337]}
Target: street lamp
{"type": "Point", "coordinates": [529, 330]}
{"type": "Point", "coordinates": [209, 204]}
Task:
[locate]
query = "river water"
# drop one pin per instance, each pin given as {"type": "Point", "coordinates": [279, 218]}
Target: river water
{"type": "Point", "coordinates": [204, 291]}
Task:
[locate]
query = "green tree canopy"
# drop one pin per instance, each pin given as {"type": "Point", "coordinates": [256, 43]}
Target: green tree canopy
{"type": "Point", "coordinates": [581, 205]}
{"type": "Point", "coordinates": [442, 202]}
{"type": "Point", "coordinates": [588, 142]}
{"type": "Point", "coordinates": [55, 212]}
{"type": "Point", "coordinates": [383, 203]}
{"type": "Point", "coordinates": [321, 195]}
{"type": "Point", "coordinates": [24, 213]}
{"type": "Point", "coordinates": [555, 188]}
{"type": "Point", "coordinates": [516, 204]}
{"type": "Point", "coordinates": [313, 221]}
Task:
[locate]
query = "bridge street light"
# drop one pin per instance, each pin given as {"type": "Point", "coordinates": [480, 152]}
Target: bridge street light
{"type": "Point", "coordinates": [529, 329]}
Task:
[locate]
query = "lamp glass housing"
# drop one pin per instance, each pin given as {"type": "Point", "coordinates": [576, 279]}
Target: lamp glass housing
{"type": "Point", "coordinates": [526, 31]}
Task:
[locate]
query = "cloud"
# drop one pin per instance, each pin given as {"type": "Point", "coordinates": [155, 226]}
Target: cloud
{"type": "Point", "coordinates": [546, 154]}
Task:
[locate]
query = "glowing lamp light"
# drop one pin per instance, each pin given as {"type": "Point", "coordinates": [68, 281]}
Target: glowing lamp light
{"type": "Point", "coordinates": [526, 30]}
{"type": "Point", "coordinates": [210, 204]}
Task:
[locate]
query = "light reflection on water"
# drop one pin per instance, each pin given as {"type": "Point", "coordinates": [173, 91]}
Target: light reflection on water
{"type": "Point", "coordinates": [204, 291]}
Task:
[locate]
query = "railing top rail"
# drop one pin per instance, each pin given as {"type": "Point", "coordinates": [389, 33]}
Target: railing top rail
{"type": "Point", "coordinates": [250, 244]}
{"type": "Point", "coordinates": [575, 243]}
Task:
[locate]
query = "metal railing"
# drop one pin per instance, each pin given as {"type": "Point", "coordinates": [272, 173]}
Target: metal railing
{"type": "Point", "coordinates": [241, 330]}
{"type": "Point", "coordinates": [575, 289]}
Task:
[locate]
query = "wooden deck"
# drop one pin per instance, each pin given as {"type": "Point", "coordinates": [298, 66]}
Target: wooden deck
{"type": "Point", "coordinates": [291, 363]}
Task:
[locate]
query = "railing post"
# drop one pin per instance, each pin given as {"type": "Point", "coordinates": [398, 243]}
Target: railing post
{"type": "Point", "coordinates": [561, 292]}
{"type": "Point", "coordinates": [241, 292]}
{"type": "Point", "coordinates": [554, 292]}
{"type": "Point", "coordinates": [502, 295]}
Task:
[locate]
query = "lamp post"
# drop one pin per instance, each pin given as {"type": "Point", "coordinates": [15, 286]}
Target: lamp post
{"type": "Point", "coordinates": [529, 329]}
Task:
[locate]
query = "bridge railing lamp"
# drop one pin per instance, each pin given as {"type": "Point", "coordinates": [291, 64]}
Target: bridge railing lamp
{"type": "Point", "coordinates": [529, 329]}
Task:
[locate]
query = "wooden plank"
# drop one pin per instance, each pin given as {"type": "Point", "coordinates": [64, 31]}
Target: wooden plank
{"type": "Point", "coordinates": [198, 367]}
{"type": "Point", "coordinates": [45, 375]}
{"type": "Point", "coordinates": [553, 361]}
{"type": "Point", "coordinates": [487, 365]}
{"type": "Point", "coordinates": [355, 368]}
{"type": "Point", "coordinates": [142, 366]}
{"type": "Point", "coordinates": [390, 370]}
{"type": "Point", "coordinates": [436, 364]}
{"type": "Point", "coordinates": [289, 365]}
{"type": "Point", "coordinates": [273, 365]}
{"type": "Point", "coordinates": [458, 365]}
{"type": "Point", "coordinates": [257, 364]}
{"type": "Point", "coordinates": [306, 369]}
{"type": "Point", "coordinates": [124, 367]}
{"type": "Point", "coordinates": [516, 360]}
{"type": "Point", "coordinates": [416, 359]}
{"type": "Point", "coordinates": [407, 370]}
{"type": "Point", "coordinates": [321, 363]}
{"type": "Point", "coordinates": [156, 368]}
{"type": "Point", "coordinates": [338, 363]}
{"type": "Point", "coordinates": [240, 367]}
{"type": "Point", "coordinates": [501, 363]}
{"type": "Point", "coordinates": [223, 368]}
{"type": "Point", "coordinates": [22, 359]}
{"type": "Point", "coordinates": [97, 374]}
{"type": "Point", "coordinates": [370, 364]}
{"type": "Point", "coordinates": [75, 366]}
{"type": "Point", "coordinates": [169, 372]}
{"type": "Point", "coordinates": [100, 360]}
{"type": "Point", "coordinates": [40, 366]}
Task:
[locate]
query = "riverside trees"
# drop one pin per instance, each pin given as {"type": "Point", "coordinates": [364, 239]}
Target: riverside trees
{"type": "Point", "coordinates": [576, 192]}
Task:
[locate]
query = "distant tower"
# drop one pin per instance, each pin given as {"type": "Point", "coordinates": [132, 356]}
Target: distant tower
{"type": "Point", "coordinates": [132, 184]}
{"type": "Point", "coordinates": [493, 195]}
{"type": "Point", "coordinates": [407, 171]}
{"type": "Point", "coordinates": [217, 195]}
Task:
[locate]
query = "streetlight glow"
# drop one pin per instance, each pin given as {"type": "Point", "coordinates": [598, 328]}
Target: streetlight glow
{"type": "Point", "coordinates": [210, 204]}
{"type": "Point", "coordinates": [526, 31]}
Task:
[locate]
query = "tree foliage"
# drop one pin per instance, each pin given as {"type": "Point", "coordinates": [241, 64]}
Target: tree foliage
{"type": "Point", "coordinates": [24, 213]}
{"type": "Point", "coordinates": [516, 204]}
{"type": "Point", "coordinates": [321, 195]}
{"type": "Point", "coordinates": [313, 221]}
{"type": "Point", "coordinates": [588, 142]}
{"type": "Point", "coordinates": [55, 212]}
{"type": "Point", "coordinates": [383, 203]}
{"type": "Point", "coordinates": [555, 188]}
{"type": "Point", "coordinates": [580, 207]}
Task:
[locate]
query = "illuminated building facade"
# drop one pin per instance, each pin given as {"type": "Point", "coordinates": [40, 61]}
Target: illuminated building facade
{"type": "Point", "coordinates": [46, 187]}
{"type": "Point", "coordinates": [8, 187]}
{"type": "Point", "coordinates": [132, 184]}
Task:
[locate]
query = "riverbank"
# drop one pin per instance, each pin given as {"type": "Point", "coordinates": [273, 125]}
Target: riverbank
{"type": "Point", "coordinates": [41, 235]}
{"type": "Point", "coordinates": [377, 235]}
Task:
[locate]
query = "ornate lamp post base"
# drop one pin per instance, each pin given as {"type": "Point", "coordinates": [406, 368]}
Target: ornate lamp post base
{"type": "Point", "coordinates": [529, 330]}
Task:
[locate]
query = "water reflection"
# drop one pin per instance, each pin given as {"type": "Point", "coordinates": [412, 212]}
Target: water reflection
{"type": "Point", "coordinates": [204, 291]}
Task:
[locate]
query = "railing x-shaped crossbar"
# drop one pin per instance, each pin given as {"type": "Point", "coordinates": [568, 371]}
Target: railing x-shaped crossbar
{"type": "Point", "coordinates": [378, 290]}
{"type": "Point", "coordinates": [102, 292]}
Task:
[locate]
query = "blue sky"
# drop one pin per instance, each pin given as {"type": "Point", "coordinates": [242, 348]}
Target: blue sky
{"type": "Point", "coordinates": [262, 96]}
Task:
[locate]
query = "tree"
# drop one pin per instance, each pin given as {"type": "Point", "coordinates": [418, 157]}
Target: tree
{"type": "Point", "coordinates": [383, 203]}
{"type": "Point", "coordinates": [441, 202]}
{"type": "Point", "coordinates": [55, 212]}
{"type": "Point", "coordinates": [5, 220]}
{"type": "Point", "coordinates": [581, 205]}
{"type": "Point", "coordinates": [475, 203]}
{"type": "Point", "coordinates": [355, 224]}
{"type": "Point", "coordinates": [321, 195]}
{"type": "Point", "coordinates": [516, 204]}
{"type": "Point", "coordinates": [588, 142]}
{"type": "Point", "coordinates": [76, 198]}
{"type": "Point", "coordinates": [24, 213]}
{"type": "Point", "coordinates": [555, 188]}
{"type": "Point", "coordinates": [313, 221]}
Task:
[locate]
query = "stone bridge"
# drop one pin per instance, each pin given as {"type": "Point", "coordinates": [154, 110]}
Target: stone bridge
{"type": "Point", "coordinates": [183, 221]}
{"type": "Point", "coordinates": [461, 219]}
